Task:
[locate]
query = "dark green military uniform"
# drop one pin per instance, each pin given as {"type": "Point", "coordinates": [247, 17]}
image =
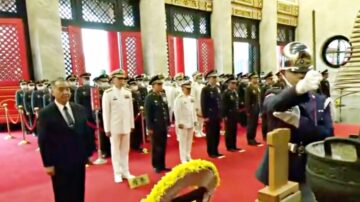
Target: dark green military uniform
{"type": "Point", "coordinates": [252, 105]}
{"type": "Point", "coordinates": [157, 120]}
{"type": "Point", "coordinates": [230, 108]}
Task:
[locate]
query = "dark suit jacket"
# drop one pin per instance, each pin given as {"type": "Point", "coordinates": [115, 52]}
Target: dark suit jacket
{"type": "Point", "coordinates": [60, 145]}
{"type": "Point", "coordinates": [211, 102]}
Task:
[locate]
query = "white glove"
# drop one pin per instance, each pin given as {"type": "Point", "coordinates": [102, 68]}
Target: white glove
{"type": "Point", "coordinates": [310, 82]}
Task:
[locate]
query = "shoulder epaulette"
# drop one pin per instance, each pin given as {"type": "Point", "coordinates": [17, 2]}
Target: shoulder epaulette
{"type": "Point", "coordinates": [108, 90]}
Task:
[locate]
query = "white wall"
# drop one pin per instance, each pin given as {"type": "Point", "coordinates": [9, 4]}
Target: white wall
{"type": "Point", "coordinates": [333, 17]}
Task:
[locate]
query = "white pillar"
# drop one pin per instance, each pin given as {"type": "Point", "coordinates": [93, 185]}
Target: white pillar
{"type": "Point", "coordinates": [45, 38]}
{"type": "Point", "coordinates": [268, 36]}
{"type": "Point", "coordinates": [153, 35]}
{"type": "Point", "coordinates": [221, 34]}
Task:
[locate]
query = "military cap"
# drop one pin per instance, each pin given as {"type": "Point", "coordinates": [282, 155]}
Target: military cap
{"type": "Point", "coordinates": [132, 81]}
{"type": "Point", "coordinates": [85, 75]}
{"type": "Point", "coordinates": [179, 76]}
{"type": "Point", "coordinates": [212, 73]}
{"type": "Point", "coordinates": [157, 79]}
{"type": "Point", "coordinates": [38, 82]}
{"type": "Point", "coordinates": [30, 82]}
{"type": "Point", "coordinates": [119, 73]}
{"type": "Point", "coordinates": [245, 75]}
{"type": "Point", "coordinates": [22, 81]}
{"type": "Point", "coordinates": [252, 74]}
{"type": "Point", "coordinates": [71, 77]}
{"type": "Point", "coordinates": [231, 79]}
{"type": "Point", "coordinates": [239, 75]}
{"type": "Point", "coordinates": [297, 58]}
{"type": "Point", "coordinates": [186, 78]}
{"type": "Point", "coordinates": [197, 75]}
{"type": "Point", "coordinates": [186, 84]}
{"type": "Point", "coordinates": [270, 74]}
{"type": "Point", "coordinates": [324, 72]}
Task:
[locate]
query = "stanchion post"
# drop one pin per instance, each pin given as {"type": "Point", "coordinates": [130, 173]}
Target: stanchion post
{"type": "Point", "coordinates": [143, 130]}
{"type": "Point", "coordinates": [100, 160]}
{"type": "Point", "coordinates": [8, 136]}
{"type": "Point", "coordinates": [23, 141]}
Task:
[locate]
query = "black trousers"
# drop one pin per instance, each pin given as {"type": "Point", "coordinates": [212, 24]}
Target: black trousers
{"type": "Point", "coordinates": [230, 132]}
{"type": "Point", "coordinates": [264, 126]}
{"type": "Point", "coordinates": [212, 136]}
{"type": "Point", "coordinates": [252, 122]}
{"type": "Point", "coordinates": [136, 135]}
{"type": "Point", "coordinates": [69, 185]}
{"type": "Point", "coordinates": [105, 146]}
{"type": "Point", "coordinates": [242, 119]}
{"type": "Point", "coordinates": [158, 148]}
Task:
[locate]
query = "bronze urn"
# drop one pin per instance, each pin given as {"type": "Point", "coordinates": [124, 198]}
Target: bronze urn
{"type": "Point", "coordinates": [333, 169]}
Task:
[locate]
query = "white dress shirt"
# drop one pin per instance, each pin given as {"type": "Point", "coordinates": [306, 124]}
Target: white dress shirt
{"type": "Point", "coordinates": [61, 109]}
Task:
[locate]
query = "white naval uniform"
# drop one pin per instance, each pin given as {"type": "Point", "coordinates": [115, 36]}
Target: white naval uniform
{"type": "Point", "coordinates": [184, 111]}
{"type": "Point", "coordinates": [118, 113]}
{"type": "Point", "coordinates": [196, 93]}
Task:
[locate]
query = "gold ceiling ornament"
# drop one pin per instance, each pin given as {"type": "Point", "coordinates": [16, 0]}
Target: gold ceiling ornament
{"type": "Point", "coordinates": [287, 12]}
{"type": "Point", "coordinates": [204, 5]}
{"type": "Point", "coordinates": [251, 9]}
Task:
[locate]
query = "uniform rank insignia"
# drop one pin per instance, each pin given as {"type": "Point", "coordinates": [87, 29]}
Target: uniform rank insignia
{"type": "Point", "coordinates": [164, 99]}
{"type": "Point", "coordinates": [254, 91]}
{"type": "Point", "coordinates": [192, 100]}
{"type": "Point", "coordinates": [84, 93]}
{"type": "Point", "coordinates": [114, 98]}
{"type": "Point", "coordinates": [38, 96]}
{"type": "Point", "coordinates": [127, 96]}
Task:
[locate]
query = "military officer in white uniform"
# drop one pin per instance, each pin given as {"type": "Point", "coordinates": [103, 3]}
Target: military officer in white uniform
{"type": "Point", "coordinates": [196, 88]}
{"type": "Point", "coordinates": [185, 120]}
{"type": "Point", "coordinates": [118, 119]}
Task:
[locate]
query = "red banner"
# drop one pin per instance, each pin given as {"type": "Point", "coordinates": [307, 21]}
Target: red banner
{"type": "Point", "coordinates": [76, 50]}
{"type": "Point", "coordinates": [95, 99]}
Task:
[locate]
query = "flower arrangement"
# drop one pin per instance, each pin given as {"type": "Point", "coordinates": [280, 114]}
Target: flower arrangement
{"type": "Point", "coordinates": [178, 173]}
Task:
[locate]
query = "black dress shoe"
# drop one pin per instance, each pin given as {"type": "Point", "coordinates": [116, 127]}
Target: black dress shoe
{"type": "Point", "coordinates": [157, 170]}
{"type": "Point", "coordinates": [166, 169]}
{"type": "Point", "coordinates": [253, 143]}
{"type": "Point", "coordinates": [213, 156]}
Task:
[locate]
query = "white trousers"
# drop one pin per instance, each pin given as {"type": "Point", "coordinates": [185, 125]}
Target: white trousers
{"type": "Point", "coordinates": [199, 126]}
{"type": "Point", "coordinates": [120, 146]}
{"type": "Point", "coordinates": [185, 137]}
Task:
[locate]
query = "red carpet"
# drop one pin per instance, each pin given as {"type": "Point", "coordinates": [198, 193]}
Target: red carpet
{"type": "Point", "coordinates": [22, 177]}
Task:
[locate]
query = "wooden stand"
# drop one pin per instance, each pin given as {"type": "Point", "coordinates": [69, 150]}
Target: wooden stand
{"type": "Point", "coordinates": [279, 189]}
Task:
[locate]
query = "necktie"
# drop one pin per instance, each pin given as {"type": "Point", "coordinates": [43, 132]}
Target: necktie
{"type": "Point", "coordinates": [70, 121]}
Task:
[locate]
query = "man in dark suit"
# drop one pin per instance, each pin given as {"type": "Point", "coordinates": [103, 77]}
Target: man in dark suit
{"type": "Point", "coordinates": [210, 107]}
{"type": "Point", "coordinates": [64, 144]}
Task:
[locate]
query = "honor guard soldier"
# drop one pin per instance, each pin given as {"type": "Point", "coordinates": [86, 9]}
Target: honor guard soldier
{"type": "Point", "coordinates": [252, 107]}
{"type": "Point", "coordinates": [27, 101]}
{"type": "Point", "coordinates": [196, 89]}
{"type": "Point", "coordinates": [136, 134]}
{"type": "Point", "coordinates": [19, 95]}
{"type": "Point", "coordinates": [284, 110]}
{"type": "Point", "coordinates": [185, 120]}
{"type": "Point", "coordinates": [325, 85]}
{"type": "Point", "coordinates": [37, 96]}
{"type": "Point", "coordinates": [157, 122]}
{"type": "Point", "coordinates": [269, 82]}
{"type": "Point", "coordinates": [102, 82]}
{"type": "Point", "coordinates": [142, 88]}
{"type": "Point", "coordinates": [83, 97]}
{"type": "Point", "coordinates": [118, 119]}
{"type": "Point", "coordinates": [210, 107]}
{"type": "Point", "coordinates": [230, 108]}
{"type": "Point", "coordinates": [241, 88]}
{"type": "Point", "coordinates": [73, 85]}
{"type": "Point", "coordinates": [47, 97]}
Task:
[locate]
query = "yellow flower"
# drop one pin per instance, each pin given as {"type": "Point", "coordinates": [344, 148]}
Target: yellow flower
{"type": "Point", "coordinates": [178, 173]}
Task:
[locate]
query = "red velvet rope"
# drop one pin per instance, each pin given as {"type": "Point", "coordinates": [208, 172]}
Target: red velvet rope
{"type": "Point", "coordinates": [30, 128]}
{"type": "Point", "coordinates": [12, 120]}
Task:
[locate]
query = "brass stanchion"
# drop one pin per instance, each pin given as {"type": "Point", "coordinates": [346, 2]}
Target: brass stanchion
{"type": "Point", "coordinates": [100, 160]}
{"type": "Point", "coordinates": [8, 136]}
{"type": "Point", "coordinates": [23, 141]}
{"type": "Point", "coordinates": [145, 151]}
